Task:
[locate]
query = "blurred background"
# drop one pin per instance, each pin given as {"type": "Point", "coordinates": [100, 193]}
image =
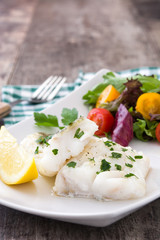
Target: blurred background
{"type": "Point", "coordinates": [44, 37]}
{"type": "Point", "coordinates": [39, 38]}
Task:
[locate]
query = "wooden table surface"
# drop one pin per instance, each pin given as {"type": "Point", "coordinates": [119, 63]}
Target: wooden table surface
{"type": "Point", "coordinates": [44, 37]}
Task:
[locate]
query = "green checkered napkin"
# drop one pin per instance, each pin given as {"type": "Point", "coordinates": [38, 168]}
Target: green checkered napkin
{"type": "Point", "coordinates": [24, 109]}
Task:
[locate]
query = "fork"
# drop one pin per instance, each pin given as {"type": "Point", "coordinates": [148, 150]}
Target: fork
{"type": "Point", "coordinates": [44, 93]}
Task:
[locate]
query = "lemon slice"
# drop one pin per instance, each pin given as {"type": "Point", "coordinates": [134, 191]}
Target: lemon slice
{"type": "Point", "coordinates": [16, 165]}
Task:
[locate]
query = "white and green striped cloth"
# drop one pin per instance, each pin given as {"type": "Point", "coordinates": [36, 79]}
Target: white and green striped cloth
{"type": "Point", "coordinates": [24, 109]}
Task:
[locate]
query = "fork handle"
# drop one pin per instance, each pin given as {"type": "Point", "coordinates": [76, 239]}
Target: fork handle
{"type": "Point", "coordinates": [5, 109]}
{"type": "Point", "coordinates": [12, 104]}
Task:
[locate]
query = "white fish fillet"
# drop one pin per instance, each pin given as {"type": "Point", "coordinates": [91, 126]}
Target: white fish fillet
{"type": "Point", "coordinates": [86, 179]}
{"type": "Point", "coordinates": [30, 142]}
{"type": "Point", "coordinates": [62, 146]}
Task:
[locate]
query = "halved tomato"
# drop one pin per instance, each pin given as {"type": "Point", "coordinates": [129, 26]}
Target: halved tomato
{"type": "Point", "coordinates": [103, 118]}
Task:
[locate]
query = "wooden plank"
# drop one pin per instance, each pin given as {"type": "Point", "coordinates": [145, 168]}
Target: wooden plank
{"type": "Point", "coordinates": [15, 17]}
{"type": "Point", "coordinates": [66, 36]}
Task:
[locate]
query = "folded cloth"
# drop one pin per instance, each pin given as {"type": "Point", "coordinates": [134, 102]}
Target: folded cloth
{"type": "Point", "coordinates": [24, 109]}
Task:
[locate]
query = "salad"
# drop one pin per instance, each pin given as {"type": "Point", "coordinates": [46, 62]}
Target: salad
{"type": "Point", "coordinates": [124, 107]}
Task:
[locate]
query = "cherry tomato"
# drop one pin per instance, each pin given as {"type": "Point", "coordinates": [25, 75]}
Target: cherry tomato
{"type": "Point", "coordinates": [158, 132]}
{"type": "Point", "coordinates": [103, 118]}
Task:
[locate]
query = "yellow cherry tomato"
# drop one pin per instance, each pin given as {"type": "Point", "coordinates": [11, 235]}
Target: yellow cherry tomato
{"type": "Point", "coordinates": [148, 103]}
{"type": "Point", "coordinates": [109, 94]}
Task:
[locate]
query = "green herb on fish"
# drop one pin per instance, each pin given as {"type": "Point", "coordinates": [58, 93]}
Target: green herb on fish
{"type": "Point", "coordinates": [128, 165]}
{"type": "Point", "coordinates": [37, 150]}
{"type": "Point", "coordinates": [118, 167]}
{"type": "Point", "coordinates": [131, 158]}
{"type": "Point", "coordinates": [130, 175]}
{"type": "Point", "coordinates": [55, 151]}
{"type": "Point", "coordinates": [78, 133]}
{"type": "Point", "coordinates": [71, 164]}
{"type": "Point", "coordinates": [116, 155]}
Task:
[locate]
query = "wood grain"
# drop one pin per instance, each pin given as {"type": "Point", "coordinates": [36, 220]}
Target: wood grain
{"type": "Point", "coordinates": [64, 37]}
{"type": "Point", "coordinates": [15, 17]}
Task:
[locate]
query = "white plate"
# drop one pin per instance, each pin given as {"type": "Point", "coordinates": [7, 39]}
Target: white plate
{"type": "Point", "coordinates": [37, 197]}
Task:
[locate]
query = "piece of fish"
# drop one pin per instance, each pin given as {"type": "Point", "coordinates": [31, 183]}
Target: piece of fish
{"type": "Point", "coordinates": [104, 170]}
{"type": "Point", "coordinates": [30, 142]}
{"type": "Point", "coordinates": [67, 143]}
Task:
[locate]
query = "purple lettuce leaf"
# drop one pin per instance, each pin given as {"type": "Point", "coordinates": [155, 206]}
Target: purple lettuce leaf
{"type": "Point", "coordinates": [123, 126]}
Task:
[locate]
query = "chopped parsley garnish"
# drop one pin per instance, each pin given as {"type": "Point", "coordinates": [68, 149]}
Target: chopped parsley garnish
{"type": "Point", "coordinates": [118, 167]}
{"type": "Point", "coordinates": [130, 175]}
{"type": "Point", "coordinates": [105, 166]}
{"type": "Point", "coordinates": [91, 159]}
{"type": "Point", "coordinates": [109, 143]}
{"type": "Point", "coordinates": [44, 140]}
{"type": "Point", "coordinates": [138, 157]}
{"type": "Point", "coordinates": [37, 150]}
{"type": "Point", "coordinates": [124, 149]}
{"type": "Point", "coordinates": [111, 149]}
{"type": "Point", "coordinates": [55, 151]}
{"type": "Point", "coordinates": [78, 133]}
{"type": "Point", "coordinates": [116, 155]}
{"type": "Point", "coordinates": [131, 158]}
{"type": "Point", "coordinates": [128, 165]}
{"type": "Point", "coordinates": [72, 164]}
{"type": "Point", "coordinates": [48, 137]}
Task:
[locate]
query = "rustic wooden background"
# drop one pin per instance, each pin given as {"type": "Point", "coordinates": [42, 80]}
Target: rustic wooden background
{"type": "Point", "coordinates": [44, 37]}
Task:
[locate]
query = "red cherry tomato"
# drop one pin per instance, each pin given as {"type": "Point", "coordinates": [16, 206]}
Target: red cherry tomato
{"type": "Point", "coordinates": [158, 132]}
{"type": "Point", "coordinates": [103, 118]}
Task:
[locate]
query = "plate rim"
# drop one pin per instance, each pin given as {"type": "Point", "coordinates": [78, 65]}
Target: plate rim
{"type": "Point", "coordinates": [66, 216]}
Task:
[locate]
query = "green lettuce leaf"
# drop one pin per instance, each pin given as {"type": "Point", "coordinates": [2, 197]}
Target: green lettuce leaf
{"type": "Point", "coordinates": [149, 84]}
{"type": "Point", "coordinates": [144, 130]}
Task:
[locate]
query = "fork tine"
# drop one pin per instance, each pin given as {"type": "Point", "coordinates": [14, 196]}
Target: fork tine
{"type": "Point", "coordinates": [39, 89]}
{"type": "Point", "coordinates": [45, 89]}
{"type": "Point", "coordinates": [55, 91]}
{"type": "Point", "coordinates": [54, 84]}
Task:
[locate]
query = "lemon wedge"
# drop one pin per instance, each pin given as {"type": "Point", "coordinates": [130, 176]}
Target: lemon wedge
{"type": "Point", "coordinates": [16, 165]}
